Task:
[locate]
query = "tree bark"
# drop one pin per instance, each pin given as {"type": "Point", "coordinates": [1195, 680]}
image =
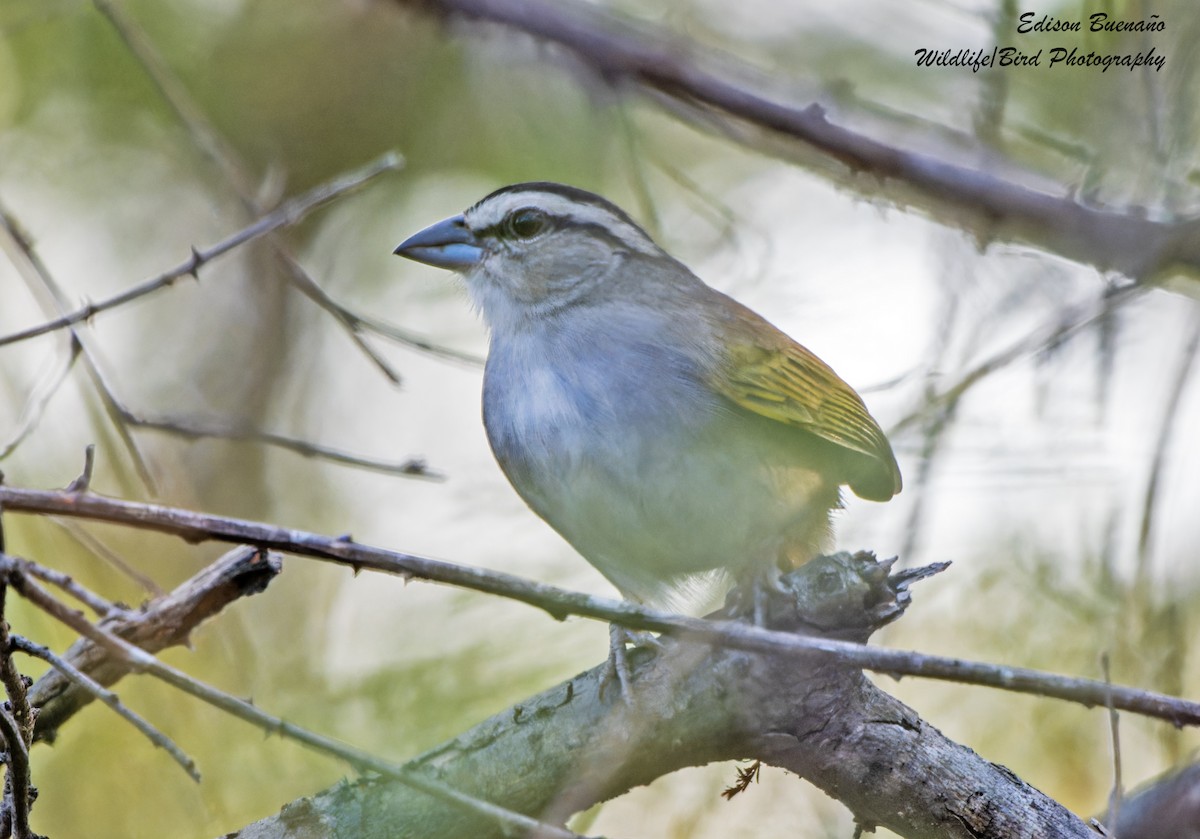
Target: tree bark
{"type": "Point", "coordinates": [579, 743]}
{"type": "Point", "coordinates": [166, 621]}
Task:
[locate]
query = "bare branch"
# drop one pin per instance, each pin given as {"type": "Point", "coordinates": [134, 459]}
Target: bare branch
{"type": "Point", "coordinates": [1064, 325]}
{"type": "Point", "coordinates": [36, 405]}
{"type": "Point", "coordinates": [54, 302]}
{"type": "Point", "coordinates": [577, 744]}
{"type": "Point", "coordinates": [123, 418]}
{"type": "Point", "coordinates": [103, 608]}
{"type": "Point", "coordinates": [90, 543]}
{"type": "Point", "coordinates": [14, 812]}
{"type": "Point", "coordinates": [204, 137]}
{"type": "Point", "coordinates": [1005, 202]}
{"type": "Point", "coordinates": [1114, 730]}
{"type": "Point", "coordinates": [197, 527]}
{"type": "Point", "coordinates": [405, 338]}
{"type": "Point", "coordinates": [98, 691]}
{"type": "Point", "coordinates": [163, 622]}
{"type": "Point", "coordinates": [1183, 374]}
{"type": "Point", "coordinates": [136, 659]}
{"type": "Point", "coordinates": [413, 467]}
{"type": "Point", "coordinates": [210, 143]}
{"type": "Point", "coordinates": [287, 214]}
{"type": "Point", "coordinates": [16, 726]}
{"type": "Point", "coordinates": [83, 481]}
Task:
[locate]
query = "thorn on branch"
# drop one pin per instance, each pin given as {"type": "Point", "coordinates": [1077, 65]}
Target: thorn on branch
{"type": "Point", "coordinates": [87, 310]}
{"type": "Point", "coordinates": [84, 481]}
{"type": "Point", "coordinates": [193, 270]}
{"type": "Point", "coordinates": [289, 213]}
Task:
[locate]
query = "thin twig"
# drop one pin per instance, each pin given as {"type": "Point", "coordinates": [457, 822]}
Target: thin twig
{"type": "Point", "coordinates": [1064, 326]}
{"type": "Point", "coordinates": [405, 338]}
{"type": "Point", "coordinates": [103, 608]}
{"type": "Point", "coordinates": [413, 467]}
{"type": "Point", "coordinates": [141, 661]}
{"type": "Point", "coordinates": [210, 143]}
{"type": "Point", "coordinates": [15, 808]}
{"type": "Point", "coordinates": [232, 167]}
{"type": "Point", "coordinates": [1183, 374]}
{"type": "Point", "coordinates": [35, 407]}
{"type": "Point", "coordinates": [164, 622]}
{"type": "Point", "coordinates": [89, 542]}
{"type": "Point", "coordinates": [198, 527]}
{"type": "Point", "coordinates": [204, 137]}
{"type": "Point", "coordinates": [122, 417]}
{"type": "Point", "coordinates": [103, 694]}
{"type": "Point", "coordinates": [934, 427]}
{"type": "Point", "coordinates": [287, 214]}
{"type": "Point", "coordinates": [83, 482]}
{"type": "Point", "coordinates": [310, 288]}
{"type": "Point", "coordinates": [16, 725]}
{"type": "Point", "coordinates": [1114, 730]}
{"type": "Point", "coordinates": [54, 301]}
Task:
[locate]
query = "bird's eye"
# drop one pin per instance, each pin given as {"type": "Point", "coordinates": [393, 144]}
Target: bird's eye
{"type": "Point", "coordinates": [527, 223]}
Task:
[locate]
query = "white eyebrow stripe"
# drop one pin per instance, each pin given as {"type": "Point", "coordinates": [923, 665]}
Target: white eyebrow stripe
{"type": "Point", "coordinates": [492, 211]}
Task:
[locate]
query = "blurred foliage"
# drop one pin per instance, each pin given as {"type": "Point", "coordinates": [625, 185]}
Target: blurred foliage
{"type": "Point", "coordinates": [1021, 490]}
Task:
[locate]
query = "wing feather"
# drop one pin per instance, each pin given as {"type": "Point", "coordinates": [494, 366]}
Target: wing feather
{"type": "Point", "coordinates": [766, 372]}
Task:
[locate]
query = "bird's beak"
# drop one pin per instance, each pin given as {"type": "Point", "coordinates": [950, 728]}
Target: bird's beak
{"type": "Point", "coordinates": [447, 244]}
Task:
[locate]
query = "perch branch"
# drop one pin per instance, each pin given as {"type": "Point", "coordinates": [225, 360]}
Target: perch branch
{"type": "Point", "coordinates": [578, 744]}
{"type": "Point", "coordinates": [197, 527]}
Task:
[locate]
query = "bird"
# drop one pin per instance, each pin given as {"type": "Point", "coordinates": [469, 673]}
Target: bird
{"type": "Point", "coordinates": [669, 433]}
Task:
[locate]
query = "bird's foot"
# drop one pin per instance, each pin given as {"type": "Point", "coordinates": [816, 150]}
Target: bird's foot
{"type": "Point", "coordinates": [751, 598]}
{"type": "Point", "coordinates": [617, 668]}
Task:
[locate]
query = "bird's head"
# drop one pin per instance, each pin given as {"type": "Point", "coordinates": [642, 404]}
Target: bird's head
{"type": "Point", "coordinates": [534, 248]}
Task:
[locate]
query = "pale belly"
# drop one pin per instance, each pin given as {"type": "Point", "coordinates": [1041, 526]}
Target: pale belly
{"type": "Point", "coordinates": [653, 497]}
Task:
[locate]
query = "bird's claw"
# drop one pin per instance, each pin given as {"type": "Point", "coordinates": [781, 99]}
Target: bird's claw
{"type": "Point", "coordinates": [618, 658]}
{"type": "Point", "coordinates": [752, 596]}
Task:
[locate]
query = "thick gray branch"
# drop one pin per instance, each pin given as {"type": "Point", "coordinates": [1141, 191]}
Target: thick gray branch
{"type": "Point", "coordinates": [197, 527]}
{"type": "Point", "coordinates": [792, 696]}
{"type": "Point", "coordinates": [164, 622]}
{"type": "Point", "coordinates": [997, 201]}
{"type": "Point", "coordinates": [575, 745]}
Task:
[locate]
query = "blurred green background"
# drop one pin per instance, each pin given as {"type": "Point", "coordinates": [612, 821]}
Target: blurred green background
{"type": "Point", "coordinates": [1034, 482]}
